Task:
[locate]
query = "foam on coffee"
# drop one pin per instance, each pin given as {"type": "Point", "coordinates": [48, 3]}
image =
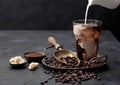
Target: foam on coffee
{"type": "Point", "coordinates": [82, 28]}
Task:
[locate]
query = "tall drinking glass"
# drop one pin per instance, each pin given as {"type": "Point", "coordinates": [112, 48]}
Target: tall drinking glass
{"type": "Point", "coordinates": [87, 38]}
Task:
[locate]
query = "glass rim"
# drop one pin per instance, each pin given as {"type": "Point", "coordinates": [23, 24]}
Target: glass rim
{"type": "Point", "coordinates": [88, 20]}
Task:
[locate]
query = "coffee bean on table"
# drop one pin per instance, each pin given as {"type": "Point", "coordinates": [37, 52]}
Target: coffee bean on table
{"type": "Point", "coordinates": [42, 83]}
{"type": "Point", "coordinates": [47, 72]}
{"type": "Point", "coordinates": [98, 78]}
{"type": "Point", "coordinates": [72, 76]}
{"type": "Point", "coordinates": [79, 82]}
{"type": "Point", "coordinates": [95, 77]}
{"type": "Point", "coordinates": [68, 76]}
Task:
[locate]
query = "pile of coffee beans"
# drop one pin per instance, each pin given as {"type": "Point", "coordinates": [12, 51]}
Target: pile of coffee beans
{"type": "Point", "coordinates": [70, 61]}
{"type": "Point", "coordinates": [70, 76]}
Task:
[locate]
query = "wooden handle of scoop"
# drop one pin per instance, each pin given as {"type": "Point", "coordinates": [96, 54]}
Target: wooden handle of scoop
{"type": "Point", "coordinates": [52, 41]}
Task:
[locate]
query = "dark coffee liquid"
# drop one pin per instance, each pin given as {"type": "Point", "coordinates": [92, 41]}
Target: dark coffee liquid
{"type": "Point", "coordinates": [80, 50]}
{"type": "Point", "coordinates": [87, 43]}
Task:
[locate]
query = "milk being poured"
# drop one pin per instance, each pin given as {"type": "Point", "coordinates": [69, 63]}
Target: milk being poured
{"type": "Point", "coordinates": [111, 4]}
{"type": "Point", "coordinates": [86, 12]}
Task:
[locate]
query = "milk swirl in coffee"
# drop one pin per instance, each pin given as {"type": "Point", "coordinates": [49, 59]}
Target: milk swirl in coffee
{"type": "Point", "coordinates": [87, 39]}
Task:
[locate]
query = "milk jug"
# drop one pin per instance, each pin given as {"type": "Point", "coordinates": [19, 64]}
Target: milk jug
{"type": "Point", "coordinates": [111, 4]}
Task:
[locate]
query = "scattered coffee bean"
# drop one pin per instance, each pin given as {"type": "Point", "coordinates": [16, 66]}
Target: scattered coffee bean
{"type": "Point", "coordinates": [50, 78]}
{"type": "Point", "coordinates": [79, 82]}
{"type": "Point", "coordinates": [98, 78]}
{"type": "Point", "coordinates": [95, 77]}
{"type": "Point", "coordinates": [46, 81]}
{"type": "Point", "coordinates": [72, 82]}
{"type": "Point", "coordinates": [42, 83]}
{"type": "Point", "coordinates": [69, 76]}
{"type": "Point", "coordinates": [47, 72]}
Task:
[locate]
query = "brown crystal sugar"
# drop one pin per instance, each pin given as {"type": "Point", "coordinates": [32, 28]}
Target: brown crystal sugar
{"type": "Point", "coordinates": [34, 54]}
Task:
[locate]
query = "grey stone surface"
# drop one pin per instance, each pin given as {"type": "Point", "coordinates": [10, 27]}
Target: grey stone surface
{"type": "Point", "coordinates": [14, 43]}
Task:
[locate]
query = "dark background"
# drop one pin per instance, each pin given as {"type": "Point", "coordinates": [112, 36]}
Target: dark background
{"type": "Point", "coordinates": [53, 15]}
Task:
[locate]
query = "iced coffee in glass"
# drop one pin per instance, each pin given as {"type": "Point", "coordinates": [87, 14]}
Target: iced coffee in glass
{"type": "Point", "coordinates": [87, 38]}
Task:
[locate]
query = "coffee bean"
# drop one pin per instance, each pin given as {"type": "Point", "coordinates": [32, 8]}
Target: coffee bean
{"type": "Point", "coordinates": [79, 82]}
{"type": "Point", "coordinates": [72, 82]}
{"type": "Point", "coordinates": [57, 80]}
{"type": "Point", "coordinates": [98, 78]}
{"type": "Point", "coordinates": [47, 72]}
{"type": "Point", "coordinates": [50, 78]}
{"type": "Point", "coordinates": [46, 81]}
{"type": "Point", "coordinates": [95, 77]}
{"type": "Point", "coordinates": [42, 83]}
